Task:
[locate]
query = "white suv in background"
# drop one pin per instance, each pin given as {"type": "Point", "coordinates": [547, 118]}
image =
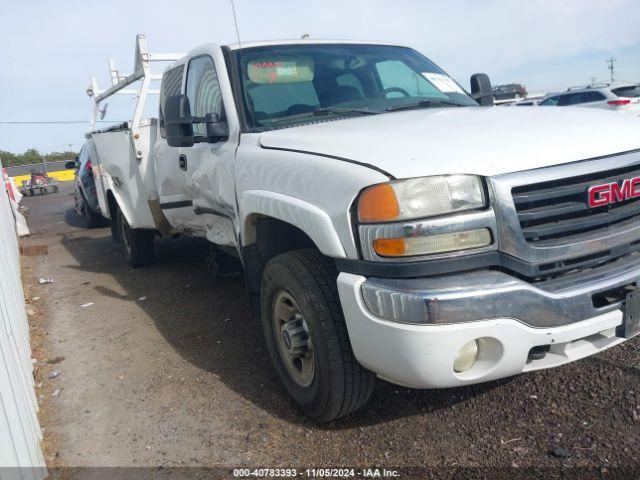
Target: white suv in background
{"type": "Point", "coordinates": [620, 97]}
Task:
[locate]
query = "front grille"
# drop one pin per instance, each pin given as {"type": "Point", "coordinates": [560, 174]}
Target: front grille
{"type": "Point", "coordinates": [555, 212]}
{"type": "Point", "coordinates": [611, 259]}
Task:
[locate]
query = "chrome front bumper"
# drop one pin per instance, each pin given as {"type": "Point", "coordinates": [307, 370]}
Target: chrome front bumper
{"type": "Point", "coordinates": [422, 356]}
{"type": "Point", "coordinates": [487, 294]}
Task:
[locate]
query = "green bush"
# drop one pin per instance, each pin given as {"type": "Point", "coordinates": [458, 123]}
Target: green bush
{"type": "Point", "coordinates": [32, 155]}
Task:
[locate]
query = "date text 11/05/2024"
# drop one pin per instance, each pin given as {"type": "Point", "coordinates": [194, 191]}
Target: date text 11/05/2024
{"type": "Point", "coordinates": [315, 473]}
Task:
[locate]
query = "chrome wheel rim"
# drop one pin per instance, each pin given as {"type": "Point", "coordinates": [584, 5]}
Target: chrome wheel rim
{"type": "Point", "coordinates": [293, 339]}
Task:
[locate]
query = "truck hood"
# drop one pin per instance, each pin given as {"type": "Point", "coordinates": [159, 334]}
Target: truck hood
{"type": "Point", "coordinates": [484, 141]}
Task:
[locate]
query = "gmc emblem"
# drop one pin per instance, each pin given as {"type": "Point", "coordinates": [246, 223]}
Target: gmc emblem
{"type": "Point", "coordinates": [600, 195]}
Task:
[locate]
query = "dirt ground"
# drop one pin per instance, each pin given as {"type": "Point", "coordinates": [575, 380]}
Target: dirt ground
{"type": "Point", "coordinates": [164, 366]}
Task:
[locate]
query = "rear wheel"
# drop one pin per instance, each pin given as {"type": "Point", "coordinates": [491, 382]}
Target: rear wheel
{"type": "Point", "coordinates": [78, 201]}
{"type": "Point", "coordinates": [307, 336]}
{"type": "Point", "coordinates": [93, 219]}
{"type": "Point", "coordinates": [115, 227]}
{"type": "Point", "coordinates": [137, 243]}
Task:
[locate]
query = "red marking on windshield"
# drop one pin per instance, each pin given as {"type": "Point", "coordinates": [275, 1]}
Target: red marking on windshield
{"type": "Point", "coordinates": [267, 64]}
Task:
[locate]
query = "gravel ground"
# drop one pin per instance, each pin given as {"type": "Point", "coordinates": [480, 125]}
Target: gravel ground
{"type": "Point", "coordinates": [166, 367]}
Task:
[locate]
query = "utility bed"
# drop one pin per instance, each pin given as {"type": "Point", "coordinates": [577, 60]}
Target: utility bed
{"type": "Point", "coordinates": [124, 152]}
{"type": "Point", "coordinates": [118, 166]}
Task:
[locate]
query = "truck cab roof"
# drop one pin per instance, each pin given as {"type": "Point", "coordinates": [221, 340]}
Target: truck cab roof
{"type": "Point", "coordinates": [267, 43]}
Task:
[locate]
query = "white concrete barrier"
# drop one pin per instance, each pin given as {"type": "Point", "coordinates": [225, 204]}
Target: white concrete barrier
{"type": "Point", "coordinates": [20, 434]}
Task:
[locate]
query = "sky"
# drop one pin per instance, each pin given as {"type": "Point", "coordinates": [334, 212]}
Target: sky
{"type": "Point", "coordinates": [50, 49]}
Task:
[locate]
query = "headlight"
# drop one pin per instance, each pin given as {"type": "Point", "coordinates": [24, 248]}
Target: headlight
{"type": "Point", "coordinates": [424, 216]}
{"type": "Point", "coordinates": [420, 198]}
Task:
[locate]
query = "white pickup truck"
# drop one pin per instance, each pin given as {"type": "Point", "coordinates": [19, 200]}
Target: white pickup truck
{"type": "Point", "coordinates": [387, 222]}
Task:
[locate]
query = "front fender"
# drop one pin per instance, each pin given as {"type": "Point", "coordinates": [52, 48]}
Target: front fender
{"type": "Point", "coordinates": [312, 220]}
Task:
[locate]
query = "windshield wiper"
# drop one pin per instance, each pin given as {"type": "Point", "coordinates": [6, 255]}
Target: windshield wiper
{"type": "Point", "coordinates": [422, 104]}
{"type": "Point", "coordinates": [344, 110]}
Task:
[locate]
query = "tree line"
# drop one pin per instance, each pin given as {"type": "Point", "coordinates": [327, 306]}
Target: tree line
{"type": "Point", "coordinates": [10, 159]}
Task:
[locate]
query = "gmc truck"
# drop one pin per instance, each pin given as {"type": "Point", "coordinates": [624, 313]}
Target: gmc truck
{"type": "Point", "coordinates": [389, 223]}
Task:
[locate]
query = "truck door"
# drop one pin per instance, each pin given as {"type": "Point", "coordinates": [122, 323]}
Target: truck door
{"type": "Point", "coordinates": [197, 188]}
{"type": "Point", "coordinates": [175, 201]}
{"type": "Point", "coordinates": [209, 164]}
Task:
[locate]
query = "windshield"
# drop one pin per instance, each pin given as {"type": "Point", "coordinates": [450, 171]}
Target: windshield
{"type": "Point", "coordinates": [287, 85]}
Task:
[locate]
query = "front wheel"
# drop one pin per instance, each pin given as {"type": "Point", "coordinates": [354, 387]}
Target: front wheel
{"type": "Point", "coordinates": [137, 243]}
{"type": "Point", "coordinates": [307, 336]}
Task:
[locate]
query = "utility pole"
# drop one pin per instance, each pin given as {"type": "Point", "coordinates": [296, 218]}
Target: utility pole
{"type": "Point", "coordinates": [611, 68]}
{"type": "Point", "coordinates": [593, 81]}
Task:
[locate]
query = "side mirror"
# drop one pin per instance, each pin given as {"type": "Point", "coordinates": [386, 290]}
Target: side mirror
{"type": "Point", "coordinates": [481, 90]}
{"type": "Point", "coordinates": [178, 123]}
{"type": "Point", "coordinates": [217, 129]}
{"type": "Point", "coordinates": [72, 165]}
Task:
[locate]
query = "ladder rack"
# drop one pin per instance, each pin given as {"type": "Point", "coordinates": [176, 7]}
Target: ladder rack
{"type": "Point", "coordinates": [119, 82]}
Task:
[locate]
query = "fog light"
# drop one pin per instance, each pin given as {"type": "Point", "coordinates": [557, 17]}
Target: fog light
{"type": "Point", "coordinates": [466, 357]}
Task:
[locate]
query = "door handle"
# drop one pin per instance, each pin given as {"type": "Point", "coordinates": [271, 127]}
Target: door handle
{"type": "Point", "coordinates": [182, 161]}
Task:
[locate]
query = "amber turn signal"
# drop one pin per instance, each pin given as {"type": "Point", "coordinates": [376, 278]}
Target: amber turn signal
{"type": "Point", "coordinates": [389, 247]}
{"type": "Point", "coordinates": [431, 244]}
{"type": "Point", "coordinates": [378, 204]}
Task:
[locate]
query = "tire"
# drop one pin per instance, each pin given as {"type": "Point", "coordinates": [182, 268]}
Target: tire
{"type": "Point", "coordinates": [115, 228]}
{"type": "Point", "coordinates": [78, 201]}
{"type": "Point", "coordinates": [137, 243]}
{"type": "Point", "coordinates": [94, 220]}
{"type": "Point", "coordinates": [338, 385]}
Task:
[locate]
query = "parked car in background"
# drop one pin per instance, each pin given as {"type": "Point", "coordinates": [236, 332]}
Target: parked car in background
{"type": "Point", "coordinates": [525, 103]}
{"type": "Point", "coordinates": [511, 91]}
{"type": "Point", "coordinates": [623, 98]}
{"type": "Point", "coordinates": [86, 199]}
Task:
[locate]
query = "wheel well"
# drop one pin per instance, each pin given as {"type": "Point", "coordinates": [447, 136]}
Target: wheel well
{"type": "Point", "coordinates": [272, 237]}
{"type": "Point", "coordinates": [112, 204]}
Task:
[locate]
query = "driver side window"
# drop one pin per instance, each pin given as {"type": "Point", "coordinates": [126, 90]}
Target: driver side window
{"type": "Point", "coordinates": [203, 90]}
{"type": "Point", "coordinates": [397, 75]}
